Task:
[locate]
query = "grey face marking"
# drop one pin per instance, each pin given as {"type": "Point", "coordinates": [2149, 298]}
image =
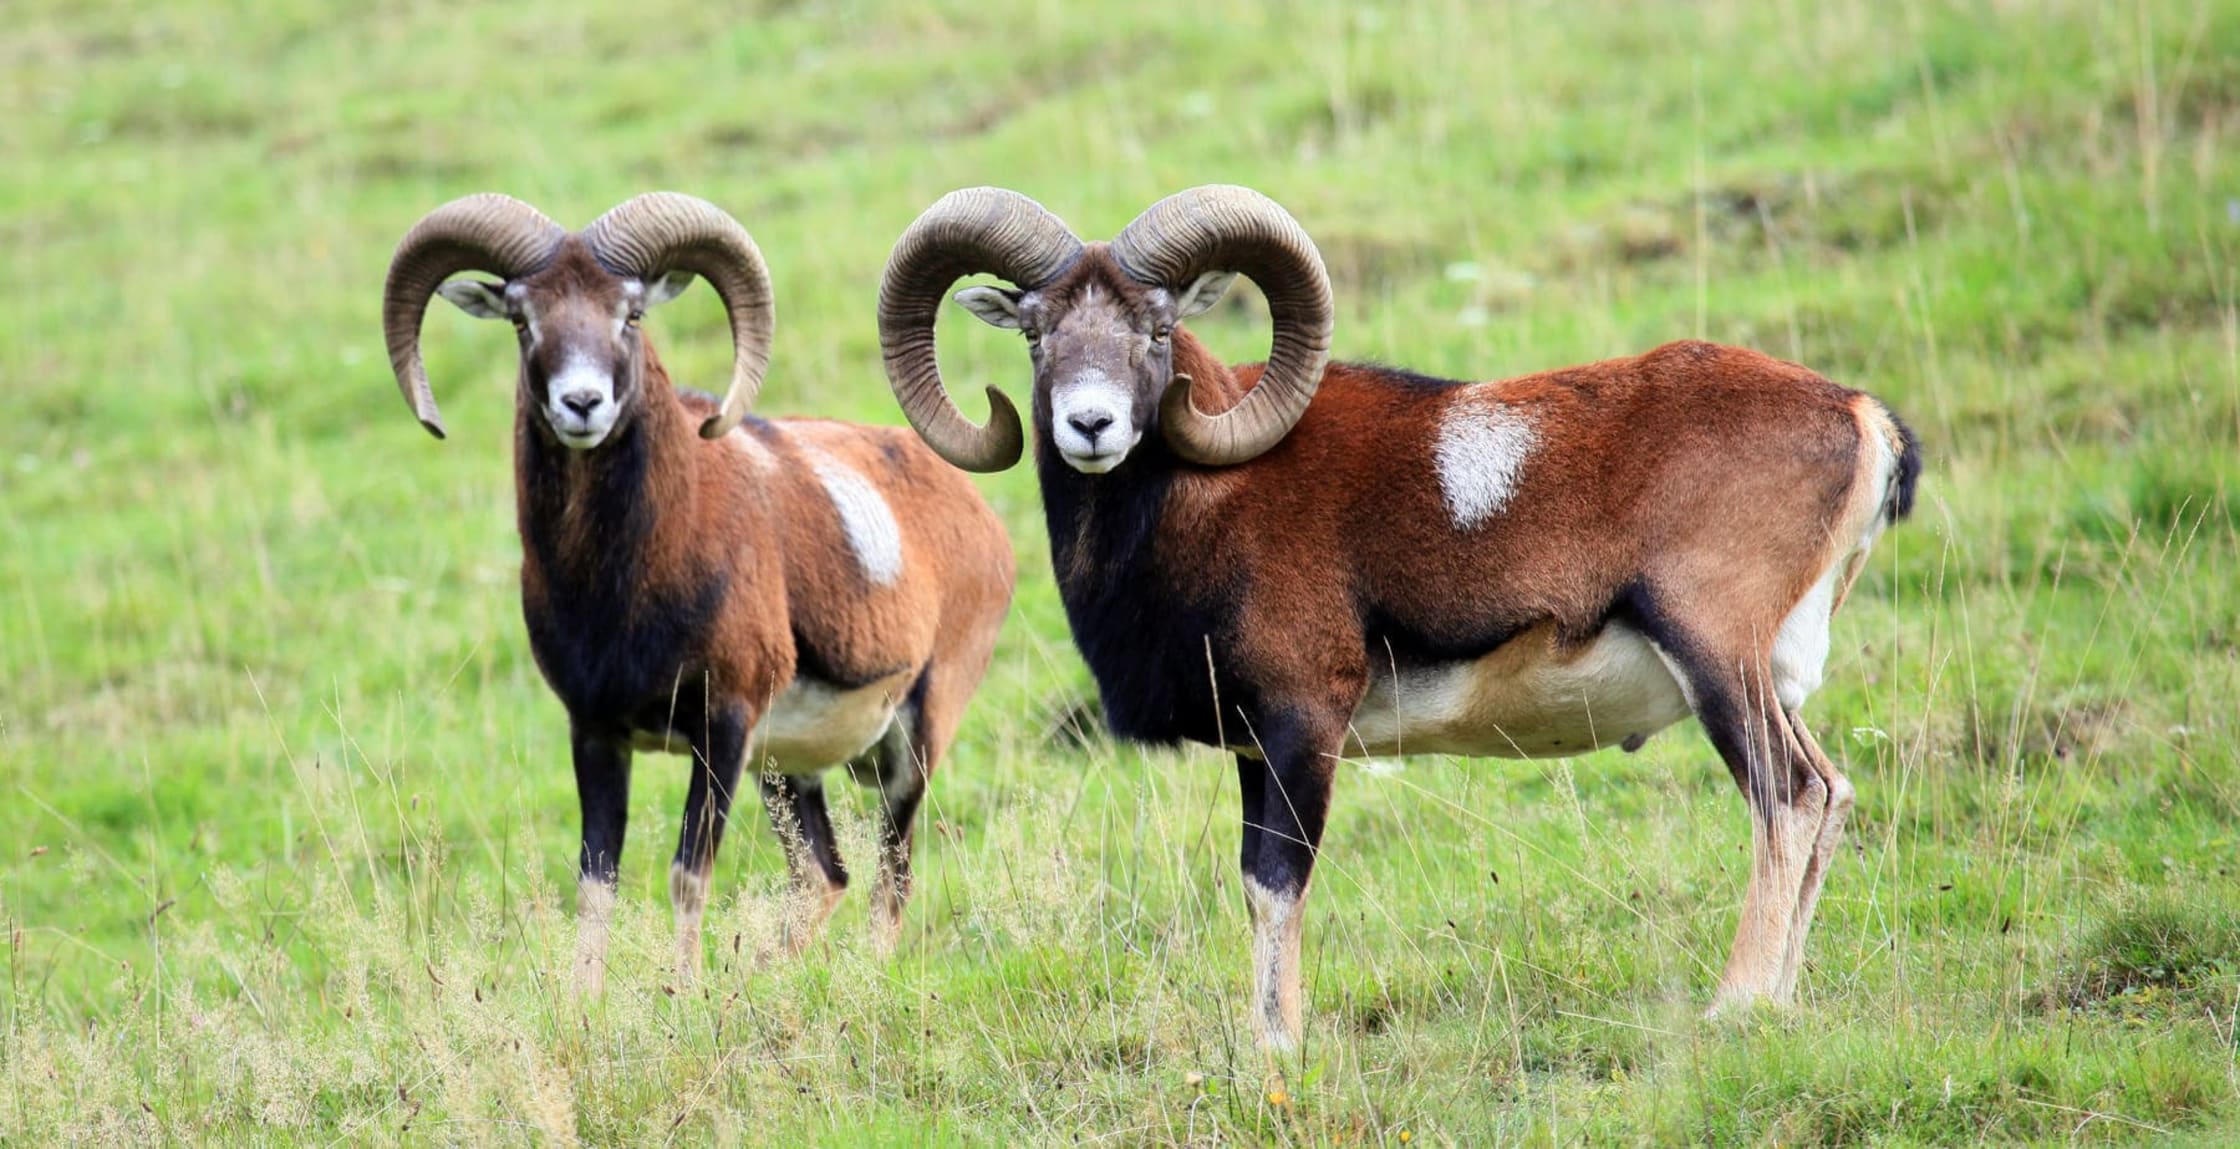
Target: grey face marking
{"type": "Point", "coordinates": [579, 402]}
{"type": "Point", "coordinates": [1103, 356]}
{"type": "Point", "coordinates": [579, 341]}
{"type": "Point", "coordinates": [587, 341]}
{"type": "Point", "coordinates": [1103, 365]}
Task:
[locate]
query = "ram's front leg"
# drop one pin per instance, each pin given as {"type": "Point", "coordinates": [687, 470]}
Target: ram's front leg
{"type": "Point", "coordinates": [1286, 795]}
{"type": "Point", "coordinates": [603, 791]}
{"type": "Point", "coordinates": [716, 756]}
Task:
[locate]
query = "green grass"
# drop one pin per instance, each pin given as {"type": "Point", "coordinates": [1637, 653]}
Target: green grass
{"type": "Point", "coordinates": [286, 825]}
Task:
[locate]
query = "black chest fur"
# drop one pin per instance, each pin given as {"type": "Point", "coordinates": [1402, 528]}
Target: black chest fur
{"type": "Point", "coordinates": [1160, 660]}
{"type": "Point", "coordinates": [615, 658]}
{"type": "Point", "coordinates": [615, 653]}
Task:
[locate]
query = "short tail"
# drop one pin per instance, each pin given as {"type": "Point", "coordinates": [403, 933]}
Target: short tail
{"type": "Point", "coordinates": [1899, 502]}
{"type": "Point", "coordinates": [1890, 457]}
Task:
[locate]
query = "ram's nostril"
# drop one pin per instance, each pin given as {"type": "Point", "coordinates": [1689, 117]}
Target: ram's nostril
{"type": "Point", "coordinates": [583, 402]}
{"type": "Point", "coordinates": [1090, 423]}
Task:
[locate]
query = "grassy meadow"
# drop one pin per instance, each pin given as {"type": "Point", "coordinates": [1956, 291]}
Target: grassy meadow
{"type": "Point", "coordinates": [287, 826]}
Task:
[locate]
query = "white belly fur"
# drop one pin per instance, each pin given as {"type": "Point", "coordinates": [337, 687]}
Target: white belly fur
{"type": "Point", "coordinates": [812, 726]}
{"type": "Point", "coordinates": [1527, 699]}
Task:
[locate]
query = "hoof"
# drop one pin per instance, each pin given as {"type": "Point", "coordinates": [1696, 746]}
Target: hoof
{"type": "Point", "coordinates": [886, 934]}
{"type": "Point", "coordinates": [1275, 1041]}
{"type": "Point", "coordinates": [1739, 1005]}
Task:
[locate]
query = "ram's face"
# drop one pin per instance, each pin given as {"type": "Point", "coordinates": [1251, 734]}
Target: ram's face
{"type": "Point", "coordinates": [1103, 351]}
{"type": "Point", "coordinates": [580, 343]}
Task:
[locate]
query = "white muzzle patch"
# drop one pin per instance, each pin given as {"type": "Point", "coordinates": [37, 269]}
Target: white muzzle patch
{"type": "Point", "coordinates": [1092, 421]}
{"type": "Point", "coordinates": [579, 403]}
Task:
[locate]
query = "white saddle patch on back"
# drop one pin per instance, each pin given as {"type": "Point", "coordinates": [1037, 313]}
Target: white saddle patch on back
{"type": "Point", "coordinates": [864, 517]}
{"type": "Point", "coordinates": [1480, 454]}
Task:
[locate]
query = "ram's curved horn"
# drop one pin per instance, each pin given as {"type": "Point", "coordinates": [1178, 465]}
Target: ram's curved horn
{"type": "Point", "coordinates": [972, 230]}
{"type": "Point", "coordinates": [487, 232]}
{"type": "Point", "coordinates": [649, 235]}
{"type": "Point", "coordinates": [1218, 227]}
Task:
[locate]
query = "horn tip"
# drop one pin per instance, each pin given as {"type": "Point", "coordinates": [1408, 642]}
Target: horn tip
{"type": "Point", "coordinates": [1003, 414]}
{"type": "Point", "coordinates": [434, 424]}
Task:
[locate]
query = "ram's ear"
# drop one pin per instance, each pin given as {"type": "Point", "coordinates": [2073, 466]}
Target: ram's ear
{"type": "Point", "coordinates": [667, 287]}
{"type": "Point", "coordinates": [477, 298]}
{"type": "Point", "coordinates": [996, 306]}
{"type": "Point", "coordinates": [1203, 293]}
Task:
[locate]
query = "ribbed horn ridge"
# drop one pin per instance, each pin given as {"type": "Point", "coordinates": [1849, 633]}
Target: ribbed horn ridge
{"type": "Point", "coordinates": [650, 235]}
{"type": "Point", "coordinates": [966, 232]}
{"type": "Point", "coordinates": [1225, 228]}
{"type": "Point", "coordinates": [488, 232]}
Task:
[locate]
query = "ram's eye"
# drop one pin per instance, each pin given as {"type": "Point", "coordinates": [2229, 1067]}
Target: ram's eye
{"type": "Point", "coordinates": [635, 318]}
{"type": "Point", "coordinates": [1033, 334]}
{"type": "Point", "coordinates": [1160, 334]}
{"type": "Point", "coordinates": [521, 324]}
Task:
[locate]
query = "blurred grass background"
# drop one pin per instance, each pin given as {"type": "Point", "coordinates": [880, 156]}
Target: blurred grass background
{"type": "Point", "coordinates": [286, 824]}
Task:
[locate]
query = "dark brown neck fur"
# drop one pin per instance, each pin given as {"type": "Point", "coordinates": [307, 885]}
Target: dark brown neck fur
{"type": "Point", "coordinates": [619, 582]}
{"type": "Point", "coordinates": [608, 496]}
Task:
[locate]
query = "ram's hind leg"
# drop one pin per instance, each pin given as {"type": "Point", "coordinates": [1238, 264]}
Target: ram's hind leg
{"type": "Point", "coordinates": [898, 771]}
{"type": "Point", "coordinates": [1823, 851]}
{"type": "Point", "coordinates": [1789, 805]}
{"type": "Point", "coordinates": [925, 726]}
{"type": "Point", "coordinates": [817, 879]}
